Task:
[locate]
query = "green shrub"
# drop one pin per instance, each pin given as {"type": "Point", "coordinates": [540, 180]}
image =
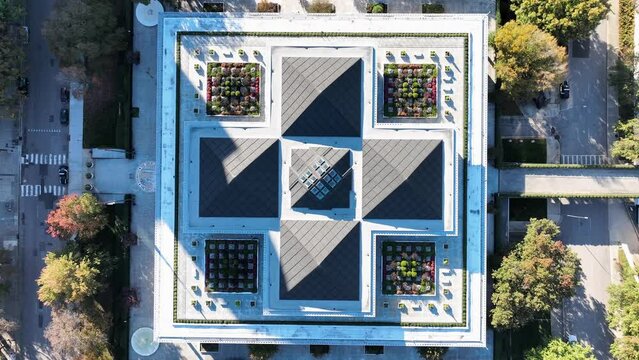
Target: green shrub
{"type": "Point", "coordinates": [262, 351]}
{"type": "Point", "coordinates": [432, 8]}
{"type": "Point", "coordinates": [321, 7]}
{"type": "Point", "coordinates": [432, 353]}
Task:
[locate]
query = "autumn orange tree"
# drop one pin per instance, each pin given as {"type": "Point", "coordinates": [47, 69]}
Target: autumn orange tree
{"type": "Point", "coordinates": [76, 215]}
{"type": "Point", "coordinates": [535, 276]}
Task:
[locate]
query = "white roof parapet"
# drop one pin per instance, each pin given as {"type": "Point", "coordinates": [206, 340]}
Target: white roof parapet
{"type": "Point", "coordinates": [473, 332]}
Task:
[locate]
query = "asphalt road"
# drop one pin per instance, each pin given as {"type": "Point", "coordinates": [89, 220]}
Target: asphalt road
{"type": "Point", "coordinates": [585, 229]}
{"type": "Point", "coordinates": [582, 122]}
{"type": "Point", "coordinates": [43, 135]}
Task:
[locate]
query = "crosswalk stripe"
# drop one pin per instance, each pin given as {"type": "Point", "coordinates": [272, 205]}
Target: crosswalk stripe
{"type": "Point", "coordinates": [27, 190]}
{"type": "Point", "coordinates": [44, 159]}
{"type": "Point", "coordinates": [584, 159]}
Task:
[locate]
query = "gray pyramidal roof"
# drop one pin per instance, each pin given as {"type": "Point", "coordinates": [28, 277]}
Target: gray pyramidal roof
{"type": "Point", "coordinates": [239, 177]}
{"type": "Point", "coordinates": [321, 96]}
{"type": "Point", "coordinates": [319, 260]}
{"type": "Point", "coordinates": [402, 179]}
{"type": "Point", "coordinates": [303, 160]}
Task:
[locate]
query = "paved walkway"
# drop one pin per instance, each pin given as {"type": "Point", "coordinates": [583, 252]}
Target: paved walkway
{"type": "Point", "coordinates": [593, 182]}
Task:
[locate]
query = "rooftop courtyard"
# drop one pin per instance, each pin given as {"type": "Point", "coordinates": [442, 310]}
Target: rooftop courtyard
{"type": "Point", "coordinates": [319, 181]}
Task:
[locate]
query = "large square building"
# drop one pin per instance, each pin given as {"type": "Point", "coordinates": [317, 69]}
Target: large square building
{"type": "Point", "coordinates": [323, 180]}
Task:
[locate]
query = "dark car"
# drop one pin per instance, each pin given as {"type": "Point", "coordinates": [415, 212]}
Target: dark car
{"type": "Point", "coordinates": [64, 116]}
{"type": "Point", "coordinates": [564, 90]}
{"type": "Point", "coordinates": [64, 94]}
{"type": "Point", "coordinates": [63, 172]}
{"type": "Point", "coordinates": [23, 85]}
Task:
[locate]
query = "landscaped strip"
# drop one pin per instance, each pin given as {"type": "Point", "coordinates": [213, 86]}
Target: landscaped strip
{"type": "Point", "coordinates": [465, 137]}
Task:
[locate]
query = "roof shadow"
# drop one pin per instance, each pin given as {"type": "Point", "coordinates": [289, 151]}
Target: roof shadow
{"type": "Point", "coordinates": [332, 111]}
{"type": "Point", "coordinates": [336, 276]}
{"type": "Point", "coordinates": [254, 185]}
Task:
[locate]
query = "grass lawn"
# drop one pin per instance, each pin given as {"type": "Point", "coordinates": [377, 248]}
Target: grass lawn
{"type": "Point", "coordinates": [522, 209]}
{"type": "Point", "coordinates": [523, 150]}
{"type": "Point", "coordinates": [514, 344]}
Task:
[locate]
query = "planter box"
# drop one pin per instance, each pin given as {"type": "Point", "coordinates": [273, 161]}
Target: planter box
{"type": "Point", "coordinates": [377, 8]}
{"type": "Point", "coordinates": [268, 7]}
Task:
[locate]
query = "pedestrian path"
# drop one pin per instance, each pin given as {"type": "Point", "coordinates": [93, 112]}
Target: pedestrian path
{"type": "Point", "coordinates": [37, 190]}
{"type": "Point", "coordinates": [47, 159]}
{"type": "Point", "coordinates": [44, 130]}
{"type": "Point", "coordinates": [585, 159]}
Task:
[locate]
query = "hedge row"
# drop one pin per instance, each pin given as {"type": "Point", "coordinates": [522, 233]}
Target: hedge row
{"type": "Point", "coordinates": [463, 321]}
{"type": "Point", "coordinates": [568, 196]}
{"type": "Point", "coordinates": [565, 166]}
{"type": "Point", "coordinates": [627, 29]}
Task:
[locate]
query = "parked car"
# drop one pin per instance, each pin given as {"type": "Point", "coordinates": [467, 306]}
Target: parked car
{"type": "Point", "coordinates": [64, 94]}
{"type": "Point", "coordinates": [63, 172]}
{"type": "Point", "coordinates": [64, 116]}
{"type": "Point", "coordinates": [564, 90]}
{"type": "Point", "coordinates": [23, 85]}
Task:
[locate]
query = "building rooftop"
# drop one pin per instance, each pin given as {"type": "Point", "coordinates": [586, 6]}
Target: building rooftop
{"type": "Point", "coordinates": [327, 166]}
{"type": "Point", "coordinates": [322, 96]}
{"type": "Point", "coordinates": [319, 260]}
{"type": "Point", "coordinates": [402, 179]}
{"type": "Point", "coordinates": [348, 175]}
{"type": "Point", "coordinates": [238, 177]}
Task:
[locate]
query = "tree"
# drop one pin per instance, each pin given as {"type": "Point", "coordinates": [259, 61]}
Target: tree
{"type": "Point", "coordinates": [6, 325]}
{"type": "Point", "coordinates": [534, 277]}
{"type": "Point", "coordinates": [67, 280]}
{"type": "Point", "coordinates": [77, 335]}
{"type": "Point", "coordinates": [77, 215]}
{"type": "Point", "coordinates": [432, 353]}
{"type": "Point", "coordinates": [262, 351]}
{"type": "Point", "coordinates": [623, 315]}
{"type": "Point", "coordinates": [627, 145]}
{"type": "Point", "coordinates": [564, 19]}
{"type": "Point", "coordinates": [81, 32]}
{"type": "Point", "coordinates": [557, 349]}
{"type": "Point", "coordinates": [625, 348]}
{"type": "Point", "coordinates": [528, 60]}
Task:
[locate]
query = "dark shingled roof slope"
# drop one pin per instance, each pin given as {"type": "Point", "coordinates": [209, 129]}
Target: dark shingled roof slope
{"type": "Point", "coordinates": [321, 96]}
{"type": "Point", "coordinates": [338, 197]}
{"type": "Point", "coordinates": [402, 179]}
{"type": "Point", "coordinates": [239, 177]}
{"type": "Point", "coordinates": [320, 260]}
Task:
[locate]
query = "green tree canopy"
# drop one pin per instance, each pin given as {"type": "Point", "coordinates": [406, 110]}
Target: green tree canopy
{"type": "Point", "coordinates": [557, 349]}
{"type": "Point", "coordinates": [81, 32]}
{"type": "Point", "coordinates": [623, 315]}
{"type": "Point", "coordinates": [77, 335]}
{"type": "Point", "coordinates": [528, 60]}
{"type": "Point", "coordinates": [535, 276]}
{"type": "Point", "coordinates": [627, 145]}
{"type": "Point", "coordinates": [564, 19]}
{"type": "Point", "coordinates": [67, 280]}
{"type": "Point", "coordinates": [82, 216]}
{"type": "Point", "coordinates": [625, 348]}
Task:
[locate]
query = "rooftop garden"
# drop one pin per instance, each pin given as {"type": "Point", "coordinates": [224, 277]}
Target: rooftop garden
{"type": "Point", "coordinates": [233, 89]}
{"type": "Point", "coordinates": [408, 268]}
{"type": "Point", "coordinates": [231, 265]}
{"type": "Point", "coordinates": [410, 90]}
